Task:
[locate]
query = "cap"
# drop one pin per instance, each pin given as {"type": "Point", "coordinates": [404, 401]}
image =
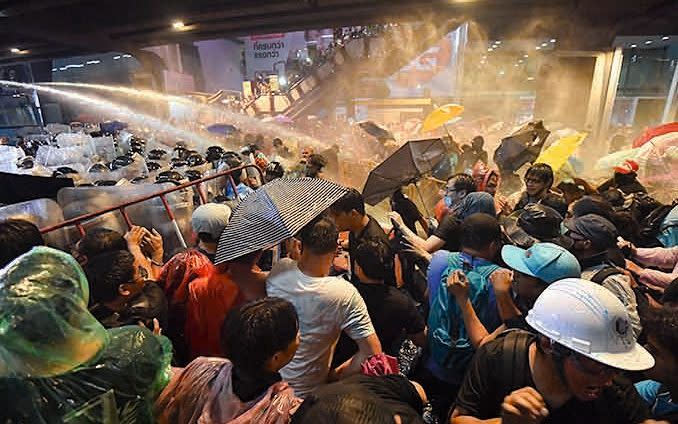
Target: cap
{"type": "Point", "coordinates": [587, 318]}
{"type": "Point", "coordinates": [545, 261]}
{"type": "Point", "coordinates": [210, 218]}
{"type": "Point", "coordinates": [601, 232]}
{"type": "Point", "coordinates": [627, 167]}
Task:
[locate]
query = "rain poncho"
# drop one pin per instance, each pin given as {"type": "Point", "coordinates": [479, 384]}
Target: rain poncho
{"type": "Point", "coordinates": [178, 273]}
{"type": "Point", "coordinates": [203, 394]}
{"type": "Point", "coordinates": [57, 363]}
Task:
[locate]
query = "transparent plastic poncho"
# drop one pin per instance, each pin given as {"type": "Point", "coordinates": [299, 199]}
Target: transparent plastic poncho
{"type": "Point", "coordinates": [57, 363]}
{"type": "Point", "coordinates": [45, 327]}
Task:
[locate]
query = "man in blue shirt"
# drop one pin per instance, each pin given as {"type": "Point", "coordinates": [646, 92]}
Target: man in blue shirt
{"type": "Point", "coordinates": [661, 391]}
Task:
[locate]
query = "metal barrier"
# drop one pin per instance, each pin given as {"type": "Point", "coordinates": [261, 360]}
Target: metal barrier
{"type": "Point", "coordinates": [78, 220]}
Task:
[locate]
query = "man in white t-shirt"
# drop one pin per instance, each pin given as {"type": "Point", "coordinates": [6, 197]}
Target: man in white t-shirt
{"type": "Point", "coordinates": [326, 306]}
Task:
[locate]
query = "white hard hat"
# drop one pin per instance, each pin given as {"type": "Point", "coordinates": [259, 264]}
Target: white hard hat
{"type": "Point", "coordinates": [588, 319]}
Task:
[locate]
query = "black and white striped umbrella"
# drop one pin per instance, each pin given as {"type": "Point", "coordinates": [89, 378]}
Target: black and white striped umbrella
{"type": "Point", "coordinates": [274, 213]}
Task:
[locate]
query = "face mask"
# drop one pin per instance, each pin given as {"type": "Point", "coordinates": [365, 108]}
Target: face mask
{"type": "Point", "coordinates": [448, 201]}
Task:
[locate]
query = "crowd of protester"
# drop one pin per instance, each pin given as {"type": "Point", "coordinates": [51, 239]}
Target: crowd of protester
{"type": "Point", "coordinates": [531, 307]}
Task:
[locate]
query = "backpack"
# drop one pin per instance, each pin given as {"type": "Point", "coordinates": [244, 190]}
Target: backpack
{"type": "Point", "coordinates": [651, 224]}
{"type": "Point", "coordinates": [450, 346]}
{"type": "Point", "coordinates": [640, 290]}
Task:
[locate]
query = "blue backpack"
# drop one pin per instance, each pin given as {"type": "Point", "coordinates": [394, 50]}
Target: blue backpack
{"type": "Point", "coordinates": [448, 340]}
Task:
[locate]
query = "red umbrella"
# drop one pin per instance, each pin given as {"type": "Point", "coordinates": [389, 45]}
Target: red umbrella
{"type": "Point", "coordinates": [651, 133]}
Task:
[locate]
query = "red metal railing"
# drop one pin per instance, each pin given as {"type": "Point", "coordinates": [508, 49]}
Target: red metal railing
{"type": "Point", "coordinates": [78, 220]}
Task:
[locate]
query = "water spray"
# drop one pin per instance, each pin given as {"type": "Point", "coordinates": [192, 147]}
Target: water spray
{"type": "Point", "coordinates": [243, 122]}
{"type": "Point", "coordinates": [116, 109]}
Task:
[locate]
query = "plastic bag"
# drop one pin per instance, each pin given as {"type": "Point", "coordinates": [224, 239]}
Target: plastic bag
{"type": "Point", "coordinates": [58, 363]}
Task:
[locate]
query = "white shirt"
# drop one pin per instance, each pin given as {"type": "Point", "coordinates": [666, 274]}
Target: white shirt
{"type": "Point", "coordinates": [326, 306]}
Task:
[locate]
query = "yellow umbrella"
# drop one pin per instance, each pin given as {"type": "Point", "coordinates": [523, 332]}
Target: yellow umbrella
{"type": "Point", "coordinates": [440, 116]}
{"type": "Point", "coordinates": [556, 155]}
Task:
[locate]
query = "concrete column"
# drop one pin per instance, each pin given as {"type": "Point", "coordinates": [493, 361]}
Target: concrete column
{"type": "Point", "coordinates": [611, 93]}
{"type": "Point", "coordinates": [671, 106]}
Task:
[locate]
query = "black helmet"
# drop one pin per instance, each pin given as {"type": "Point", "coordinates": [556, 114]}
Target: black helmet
{"type": "Point", "coordinates": [274, 170]}
{"type": "Point", "coordinates": [136, 147]}
{"type": "Point", "coordinates": [26, 162]}
{"type": "Point", "coordinates": [152, 166]}
{"type": "Point", "coordinates": [179, 152]}
{"type": "Point", "coordinates": [157, 154]}
{"type": "Point", "coordinates": [169, 177]}
{"type": "Point", "coordinates": [195, 159]}
{"type": "Point", "coordinates": [120, 162]}
{"type": "Point", "coordinates": [214, 153]}
{"type": "Point", "coordinates": [104, 183]}
{"type": "Point", "coordinates": [173, 175]}
{"type": "Point", "coordinates": [193, 175]}
{"type": "Point", "coordinates": [63, 171]}
{"type": "Point", "coordinates": [232, 159]}
{"type": "Point", "coordinates": [536, 223]}
{"type": "Point", "coordinates": [98, 167]}
{"type": "Point", "coordinates": [177, 163]}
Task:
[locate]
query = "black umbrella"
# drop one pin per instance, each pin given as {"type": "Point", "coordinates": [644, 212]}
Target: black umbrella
{"type": "Point", "coordinates": [274, 213]}
{"type": "Point", "coordinates": [375, 130]}
{"type": "Point", "coordinates": [412, 160]}
{"type": "Point", "coordinates": [521, 147]}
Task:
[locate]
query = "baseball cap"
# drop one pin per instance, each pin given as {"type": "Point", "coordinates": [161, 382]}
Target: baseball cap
{"type": "Point", "coordinates": [601, 232]}
{"type": "Point", "coordinates": [545, 261]}
{"type": "Point", "coordinates": [210, 218]}
{"type": "Point", "coordinates": [629, 166]}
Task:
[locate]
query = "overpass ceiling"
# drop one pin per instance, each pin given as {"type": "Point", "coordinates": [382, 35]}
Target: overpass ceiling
{"type": "Point", "coordinates": [47, 29]}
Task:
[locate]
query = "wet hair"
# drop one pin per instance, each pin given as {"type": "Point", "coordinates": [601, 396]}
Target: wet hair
{"type": "Point", "coordinates": [207, 238]}
{"type": "Point", "coordinates": [542, 172]}
{"type": "Point", "coordinates": [17, 236]}
{"type": "Point", "coordinates": [671, 293]}
{"type": "Point", "coordinates": [349, 408]}
{"type": "Point", "coordinates": [594, 204]}
{"type": "Point", "coordinates": [374, 257]}
{"type": "Point", "coordinates": [319, 236]}
{"type": "Point", "coordinates": [479, 230]}
{"type": "Point", "coordinates": [662, 324]}
{"type": "Point", "coordinates": [248, 259]}
{"type": "Point", "coordinates": [101, 240]}
{"type": "Point", "coordinates": [254, 332]}
{"type": "Point", "coordinates": [106, 272]}
{"type": "Point", "coordinates": [463, 182]}
{"type": "Point", "coordinates": [555, 202]}
{"type": "Point", "coordinates": [352, 200]}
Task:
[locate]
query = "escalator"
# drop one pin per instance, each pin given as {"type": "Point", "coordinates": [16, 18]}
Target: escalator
{"type": "Point", "coordinates": [339, 75]}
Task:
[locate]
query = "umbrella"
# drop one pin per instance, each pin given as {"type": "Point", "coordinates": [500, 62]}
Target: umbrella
{"type": "Point", "coordinates": [651, 133]}
{"type": "Point", "coordinates": [441, 116]}
{"type": "Point", "coordinates": [407, 164]}
{"type": "Point", "coordinates": [112, 126]}
{"type": "Point", "coordinates": [274, 213]}
{"type": "Point", "coordinates": [223, 129]}
{"type": "Point", "coordinates": [558, 153]}
{"type": "Point", "coordinates": [375, 130]}
{"type": "Point", "coordinates": [521, 147]}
